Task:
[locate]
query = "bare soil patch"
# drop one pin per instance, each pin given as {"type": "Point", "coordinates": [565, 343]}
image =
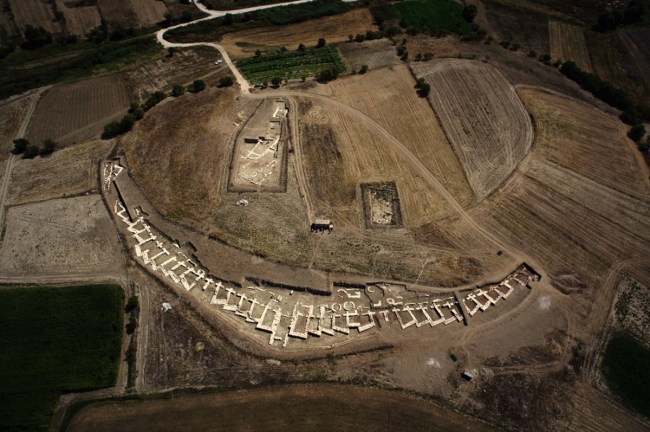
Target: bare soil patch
{"type": "Point", "coordinates": [483, 117]}
{"type": "Point", "coordinates": [36, 13]}
{"type": "Point", "coordinates": [374, 54]}
{"type": "Point", "coordinates": [268, 39]}
{"type": "Point", "coordinates": [283, 408]}
{"type": "Point", "coordinates": [60, 237]}
{"type": "Point", "coordinates": [68, 172]}
{"type": "Point", "coordinates": [79, 20]}
{"type": "Point", "coordinates": [568, 43]}
{"type": "Point", "coordinates": [76, 112]}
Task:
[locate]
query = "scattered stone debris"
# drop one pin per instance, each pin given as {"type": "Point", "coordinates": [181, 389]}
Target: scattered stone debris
{"type": "Point", "coordinates": [166, 307]}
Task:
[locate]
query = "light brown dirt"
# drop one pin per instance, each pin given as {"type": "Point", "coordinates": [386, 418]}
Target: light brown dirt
{"type": "Point", "coordinates": [268, 39]}
{"type": "Point", "coordinates": [68, 172]}
{"type": "Point", "coordinates": [568, 43]}
{"type": "Point", "coordinates": [79, 20]}
{"type": "Point", "coordinates": [36, 13]}
{"type": "Point", "coordinates": [483, 118]}
{"type": "Point", "coordinates": [76, 112]}
{"type": "Point", "coordinates": [149, 12]}
{"type": "Point", "coordinates": [374, 54]}
{"type": "Point", "coordinates": [60, 237]}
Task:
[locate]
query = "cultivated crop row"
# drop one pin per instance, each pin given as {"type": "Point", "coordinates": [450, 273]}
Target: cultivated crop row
{"type": "Point", "coordinates": [289, 64]}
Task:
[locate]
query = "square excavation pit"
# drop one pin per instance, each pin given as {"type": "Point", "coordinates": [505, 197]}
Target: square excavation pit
{"type": "Point", "coordinates": [259, 161]}
{"type": "Point", "coordinates": [381, 205]}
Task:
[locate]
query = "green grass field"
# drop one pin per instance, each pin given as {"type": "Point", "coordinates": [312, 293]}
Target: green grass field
{"type": "Point", "coordinates": [433, 15]}
{"type": "Point", "coordinates": [292, 65]}
{"type": "Point", "coordinates": [55, 340]}
{"type": "Point", "coordinates": [625, 367]}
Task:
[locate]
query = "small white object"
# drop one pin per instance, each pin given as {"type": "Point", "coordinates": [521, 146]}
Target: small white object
{"type": "Point", "coordinates": [166, 307]}
{"type": "Point", "coordinates": [218, 62]}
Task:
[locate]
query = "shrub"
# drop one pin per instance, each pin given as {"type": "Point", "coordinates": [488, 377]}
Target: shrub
{"type": "Point", "coordinates": [132, 304]}
{"type": "Point", "coordinates": [198, 86]}
{"type": "Point", "coordinates": [226, 81]}
{"type": "Point", "coordinates": [131, 325]}
{"type": "Point", "coordinates": [154, 100]}
{"type": "Point", "coordinates": [49, 145]}
{"type": "Point", "coordinates": [178, 90]}
{"type": "Point", "coordinates": [364, 69]}
{"type": "Point", "coordinates": [360, 37]}
{"type": "Point", "coordinates": [31, 152]}
{"type": "Point", "coordinates": [138, 113]}
{"type": "Point", "coordinates": [20, 145]}
{"type": "Point", "coordinates": [328, 75]}
{"type": "Point", "coordinates": [469, 13]}
{"type": "Point", "coordinates": [321, 43]}
{"type": "Point", "coordinates": [532, 54]}
{"type": "Point", "coordinates": [636, 132]}
{"type": "Point", "coordinates": [276, 81]}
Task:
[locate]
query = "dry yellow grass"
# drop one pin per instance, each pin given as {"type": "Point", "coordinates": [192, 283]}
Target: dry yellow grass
{"type": "Point", "coordinates": [388, 97]}
{"type": "Point", "coordinates": [568, 43]}
{"type": "Point", "coordinates": [333, 29]}
{"type": "Point", "coordinates": [483, 117]}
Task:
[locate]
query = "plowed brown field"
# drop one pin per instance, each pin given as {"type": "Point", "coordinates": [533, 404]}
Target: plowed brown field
{"type": "Point", "coordinates": [118, 12]}
{"type": "Point", "coordinates": [79, 20]}
{"type": "Point", "coordinates": [36, 13]}
{"type": "Point", "coordinates": [387, 96]}
{"type": "Point", "coordinates": [483, 118]}
{"type": "Point", "coordinates": [568, 43]}
{"type": "Point", "coordinates": [12, 115]}
{"type": "Point", "coordinates": [266, 39]}
{"type": "Point", "coordinates": [75, 112]}
{"type": "Point", "coordinates": [149, 12]}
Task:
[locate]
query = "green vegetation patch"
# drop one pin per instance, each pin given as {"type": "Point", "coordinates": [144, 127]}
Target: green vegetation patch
{"type": "Point", "coordinates": [55, 340]}
{"type": "Point", "coordinates": [24, 70]}
{"type": "Point", "coordinates": [432, 15]}
{"type": "Point", "coordinates": [625, 367]}
{"type": "Point", "coordinates": [211, 30]}
{"type": "Point", "coordinates": [294, 64]}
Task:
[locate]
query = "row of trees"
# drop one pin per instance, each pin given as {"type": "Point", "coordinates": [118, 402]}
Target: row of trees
{"type": "Point", "coordinates": [30, 151]}
{"type": "Point", "coordinates": [136, 111]}
{"type": "Point", "coordinates": [635, 12]}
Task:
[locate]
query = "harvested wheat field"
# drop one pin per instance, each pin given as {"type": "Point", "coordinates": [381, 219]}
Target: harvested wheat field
{"type": "Point", "coordinates": [118, 12]}
{"type": "Point", "coordinates": [568, 43]}
{"type": "Point", "coordinates": [266, 39]}
{"type": "Point", "coordinates": [79, 20]}
{"type": "Point", "coordinates": [36, 13]}
{"type": "Point", "coordinates": [387, 96]}
{"type": "Point", "coordinates": [375, 54]}
{"type": "Point", "coordinates": [68, 172]}
{"type": "Point", "coordinates": [77, 112]}
{"type": "Point", "coordinates": [587, 141]}
{"type": "Point", "coordinates": [483, 117]}
{"type": "Point", "coordinates": [149, 12]}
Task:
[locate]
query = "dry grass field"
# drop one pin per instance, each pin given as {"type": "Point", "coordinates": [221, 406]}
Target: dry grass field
{"type": "Point", "coordinates": [76, 112]}
{"type": "Point", "coordinates": [387, 96]}
{"type": "Point", "coordinates": [268, 39]}
{"type": "Point", "coordinates": [63, 237]}
{"type": "Point", "coordinates": [36, 13]}
{"type": "Point", "coordinates": [12, 115]}
{"type": "Point", "coordinates": [568, 42]}
{"type": "Point", "coordinates": [149, 12]}
{"type": "Point", "coordinates": [68, 172]}
{"type": "Point", "coordinates": [483, 117]}
{"type": "Point", "coordinates": [79, 20]}
{"type": "Point", "coordinates": [374, 54]}
{"type": "Point", "coordinates": [294, 408]}
{"type": "Point", "coordinates": [581, 204]}
{"type": "Point", "coordinates": [118, 12]}
{"type": "Point", "coordinates": [186, 65]}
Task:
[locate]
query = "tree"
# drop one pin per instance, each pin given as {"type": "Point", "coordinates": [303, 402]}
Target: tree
{"type": "Point", "coordinates": [198, 86]}
{"type": "Point", "coordinates": [171, 51]}
{"type": "Point", "coordinates": [364, 69]}
{"type": "Point", "coordinates": [226, 81]}
{"type": "Point", "coordinates": [328, 75]}
{"type": "Point", "coordinates": [360, 37]}
{"type": "Point", "coordinates": [276, 81]}
{"type": "Point", "coordinates": [132, 304]}
{"type": "Point", "coordinates": [350, 37]}
{"type": "Point", "coordinates": [637, 132]}
{"type": "Point", "coordinates": [227, 19]}
{"type": "Point", "coordinates": [302, 47]}
{"type": "Point", "coordinates": [49, 145]}
{"type": "Point", "coordinates": [321, 43]}
{"type": "Point", "coordinates": [424, 90]}
{"type": "Point", "coordinates": [178, 90]}
{"type": "Point", "coordinates": [418, 57]}
{"type": "Point", "coordinates": [131, 325]}
{"type": "Point", "coordinates": [515, 46]}
{"type": "Point", "coordinates": [405, 56]}
{"type": "Point", "coordinates": [31, 152]}
{"type": "Point", "coordinates": [258, 53]}
{"type": "Point", "coordinates": [469, 12]}
{"type": "Point", "coordinates": [20, 145]}
{"type": "Point", "coordinates": [428, 56]}
{"type": "Point", "coordinates": [138, 113]}
{"type": "Point", "coordinates": [532, 54]}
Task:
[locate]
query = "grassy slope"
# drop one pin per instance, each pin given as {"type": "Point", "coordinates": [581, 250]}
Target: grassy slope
{"type": "Point", "coordinates": [55, 340]}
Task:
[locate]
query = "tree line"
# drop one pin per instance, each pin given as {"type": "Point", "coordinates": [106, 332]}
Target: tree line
{"type": "Point", "coordinates": [29, 151]}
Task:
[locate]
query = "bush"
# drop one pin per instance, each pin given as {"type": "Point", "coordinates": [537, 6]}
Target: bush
{"type": "Point", "coordinates": [636, 132]}
{"type": "Point", "coordinates": [31, 152]}
{"type": "Point", "coordinates": [116, 128]}
{"type": "Point", "coordinates": [360, 37]}
{"type": "Point", "coordinates": [364, 69]}
{"type": "Point", "coordinates": [226, 81]}
{"type": "Point", "coordinates": [515, 46]}
{"type": "Point", "coordinates": [131, 325]}
{"type": "Point", "coordinates": [154, 100]}
{"type": "Point", "coordinates": [532, 54]}
{"type": "Point", "coordinates": [138, 113]}
{"type": "Point", "coordinates": [276, 81]}
{"type": "Point", "coordinates": [198, 86]}
{"type": "Point", "coordinates": [20, 145]}
{"type": "Point", "coordinates": [132, 304]}
{"type": "Point", "coordinates": [321, 43]}
{"type": "Point", "coordinates": [49, 145]}
{"type": "Point", "coordinates": [428, 56]}
{"type": "Point", "coordinates": [327, 75]}
{"type": "Point", "coordinates": [469, 13]}
{"type": "Point", "coordinates": [178, 90]}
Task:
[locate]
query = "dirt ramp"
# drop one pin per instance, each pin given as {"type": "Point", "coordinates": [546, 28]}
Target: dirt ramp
{"type": "Point", "coordinates": [484, 119]}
